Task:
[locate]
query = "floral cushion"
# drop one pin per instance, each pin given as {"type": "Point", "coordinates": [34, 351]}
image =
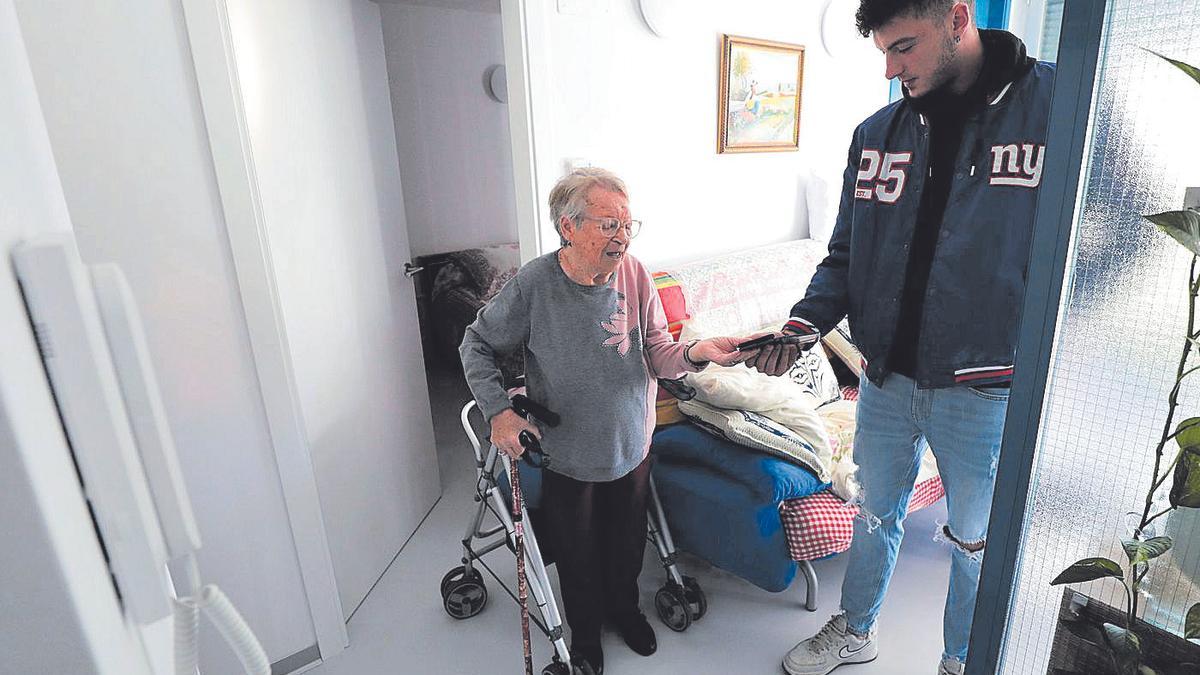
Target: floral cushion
{"type": "Point", "coordinates": [815, 377]}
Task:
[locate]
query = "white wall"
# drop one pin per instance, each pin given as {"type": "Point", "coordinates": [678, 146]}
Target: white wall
{"type": "Point", "coordinates": [119, 94]}
{"type": "Point", "coordinates": [646, 107]}
{"type": "Point", "coordinates": [455, 157]}
{"type": "Point", "coordinates": [314, 82]}
{"type": "Point", "coordinates": [60, 614]}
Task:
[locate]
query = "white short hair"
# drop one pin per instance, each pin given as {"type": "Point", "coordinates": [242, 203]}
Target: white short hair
{"type": "Point", "coordinates": [569, 196]}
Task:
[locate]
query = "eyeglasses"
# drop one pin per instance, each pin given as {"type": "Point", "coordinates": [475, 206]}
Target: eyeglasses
{"type": "Point", "coordinates": [609, 226]}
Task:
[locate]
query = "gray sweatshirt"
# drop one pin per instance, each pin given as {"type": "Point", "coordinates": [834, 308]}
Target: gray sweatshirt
{"type": "Point", "coordinates": [592, 354]}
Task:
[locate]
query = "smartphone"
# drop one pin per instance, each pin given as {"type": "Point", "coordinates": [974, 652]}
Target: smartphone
{"type": "Point", "coordinates": [763, 341]}
{"type": "Point", "coordinates": [760, 341]}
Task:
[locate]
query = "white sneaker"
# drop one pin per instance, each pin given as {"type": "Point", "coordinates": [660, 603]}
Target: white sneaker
{"type": "Point", "coordinates": [951, 667]}
{"type": "Point", "coordinates": [831, 647]}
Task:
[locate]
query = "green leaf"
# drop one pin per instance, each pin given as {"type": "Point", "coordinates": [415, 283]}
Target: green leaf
{"type": "Point", "coordinates": [1088, 569]}
{"type": "Point", "coordinates": [1187, 433]}
{"type": "Point", "coordinates": [1185, 490]}
{"type": "Point", "coordinates": [1191, 71]}
{"type": "Point", "coordinates": [1182, 226]}
{"type": "Point", "coordinates": [1125, 646]}
{"type": "Point", "coordinates": [1191, 626]}
{"type": "Point", "coordinates": [1084, 630]}
{"type": "Point", "coordinates": [1146, 670]}
{"type": "Point", "coordinates": [1144, 551]}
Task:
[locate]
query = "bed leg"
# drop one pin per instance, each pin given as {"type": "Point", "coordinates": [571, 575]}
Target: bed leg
{"type": "Point", "coordinates": [810, 579]}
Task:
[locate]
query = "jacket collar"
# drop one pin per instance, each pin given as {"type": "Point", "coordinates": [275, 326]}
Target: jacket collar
{"type": "Point", "coordinates": [1005, 60]}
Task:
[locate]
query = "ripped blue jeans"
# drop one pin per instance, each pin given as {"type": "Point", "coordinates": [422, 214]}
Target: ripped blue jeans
{"type": "Point", "coordinates": [963, 426]}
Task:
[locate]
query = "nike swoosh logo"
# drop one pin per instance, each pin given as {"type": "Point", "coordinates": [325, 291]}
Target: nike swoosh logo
{"type": "Point", "coordinates": [845, 652]}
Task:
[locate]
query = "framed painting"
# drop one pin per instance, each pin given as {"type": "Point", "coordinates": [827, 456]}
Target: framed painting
{"type": "Point", "coordinates": [759, 97]}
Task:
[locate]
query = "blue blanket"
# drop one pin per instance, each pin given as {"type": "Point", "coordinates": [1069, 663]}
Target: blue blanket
{"type": "Point", "coordinates": [768, 478]}
{"type": "Point", "coordinates": [722, 502]}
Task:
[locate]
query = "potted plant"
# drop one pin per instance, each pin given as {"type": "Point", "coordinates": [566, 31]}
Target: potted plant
{"type": "Point", "coordinates": [1133, 647]}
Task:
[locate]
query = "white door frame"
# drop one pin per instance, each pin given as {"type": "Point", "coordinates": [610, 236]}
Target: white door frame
{"type": "Point", "coordinates": [525, 61]}
{"type": "Point", "coordinates": [228, 135]}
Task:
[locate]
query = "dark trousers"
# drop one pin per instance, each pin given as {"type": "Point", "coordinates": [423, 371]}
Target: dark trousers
{"type": "Point", "coordinates": [599, 536]}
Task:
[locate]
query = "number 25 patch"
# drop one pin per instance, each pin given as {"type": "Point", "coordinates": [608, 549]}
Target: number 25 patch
{"type": "Point", "coordinates": [882, 176]}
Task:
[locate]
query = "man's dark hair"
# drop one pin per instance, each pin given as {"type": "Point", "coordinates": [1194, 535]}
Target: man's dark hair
{"type": "Point", "coordinates": [873, 14]}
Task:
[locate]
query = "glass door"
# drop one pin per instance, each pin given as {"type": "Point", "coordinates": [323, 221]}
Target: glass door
{"type": "Point", "coordinates": [1100, 403]}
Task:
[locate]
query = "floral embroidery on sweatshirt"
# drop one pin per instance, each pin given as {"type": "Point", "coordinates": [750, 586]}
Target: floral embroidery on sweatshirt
{"type": "Point", "coordinates": [622, 325]}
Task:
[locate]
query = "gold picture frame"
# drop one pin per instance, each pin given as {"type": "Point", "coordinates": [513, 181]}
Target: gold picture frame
{"type": "Point", "coordinates": [759, 101]}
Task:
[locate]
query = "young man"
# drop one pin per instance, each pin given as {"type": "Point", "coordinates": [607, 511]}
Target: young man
{"type": "Point", "coordinates": [928, 260]}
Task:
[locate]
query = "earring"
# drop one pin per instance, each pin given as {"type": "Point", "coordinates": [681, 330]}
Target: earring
{"type": "Point", "coordinates": [957, 39]}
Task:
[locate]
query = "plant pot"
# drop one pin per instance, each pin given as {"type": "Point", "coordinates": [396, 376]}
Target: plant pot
{"type": "Point", "coordinates": [1165, 652]}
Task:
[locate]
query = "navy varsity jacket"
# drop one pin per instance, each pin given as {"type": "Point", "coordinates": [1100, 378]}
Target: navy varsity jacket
{"type": "Point", "coordinates": [977, 275]}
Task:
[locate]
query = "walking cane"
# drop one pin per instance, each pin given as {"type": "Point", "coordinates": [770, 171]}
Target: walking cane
{"type": "Point", "coordinates": [536, 458]}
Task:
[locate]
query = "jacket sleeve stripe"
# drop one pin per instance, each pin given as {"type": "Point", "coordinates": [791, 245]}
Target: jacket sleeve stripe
{"type": "Point", "coordinates": [799, 326]}
{"type": "Point", "coordinates": [989, 372]}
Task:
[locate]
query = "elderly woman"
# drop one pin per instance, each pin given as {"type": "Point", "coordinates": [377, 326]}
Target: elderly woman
{"type": "Point", "coordinates": [595, 338]}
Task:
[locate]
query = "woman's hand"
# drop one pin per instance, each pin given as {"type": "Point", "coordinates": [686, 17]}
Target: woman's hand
{"type": "Point", "coordinates": [506, 431]}
{"type": "Point", "coordinates": [720, 350]}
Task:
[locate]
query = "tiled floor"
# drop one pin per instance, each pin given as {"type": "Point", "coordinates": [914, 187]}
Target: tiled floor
{"type": "Point", "coordinates": [402, 628]}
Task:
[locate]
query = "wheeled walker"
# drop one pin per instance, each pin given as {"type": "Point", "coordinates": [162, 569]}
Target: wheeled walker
{"type": "Point", "coordinates": [678, 603]}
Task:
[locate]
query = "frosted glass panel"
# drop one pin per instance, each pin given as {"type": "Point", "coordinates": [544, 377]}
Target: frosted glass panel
{"type": "Point", "coordinates": [1120, 333]}
{"type": "Point", "coordinates": [1051, 27]}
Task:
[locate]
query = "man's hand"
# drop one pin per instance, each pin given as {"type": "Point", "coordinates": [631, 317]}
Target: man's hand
{"type": "Point", "coordinates": [774, 359]}
{"type": "Point", "coordinates": [506, 431]}
{"type": "Point", "coordinates": [720, 350]}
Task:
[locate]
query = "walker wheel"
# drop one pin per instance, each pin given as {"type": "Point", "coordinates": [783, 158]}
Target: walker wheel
{"type": "Point", "coordinates": [456, 575]}
{"type": "Point", "coordinates": [672, 607]}
{"type": "Point", "coordinates": [465, 598]}
{"type": "Point", "coordinates": [560, 668]}
{"type": "Point", "coordinates": [697, 603]}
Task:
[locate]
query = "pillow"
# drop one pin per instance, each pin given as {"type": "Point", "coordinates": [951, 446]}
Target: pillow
{"type": "Point", "coordinates": [778, 398]}
{"type": "Point", "coordinates": [841, 346]}
{"type": "Point", "coordinates": [768, 478]}
{"type": "Point", "coordinates": [742, 388]}
{"type": "Point", "coordinates": [673, 302]}
{"type": "Point", "coordinates": [839, 419]}
{"type": "Point", "coordinates": [756, 431]}
{"type": "Point", "coordinates": [813, 374]}
{"type": "Point", "coordinates": [670, 293]}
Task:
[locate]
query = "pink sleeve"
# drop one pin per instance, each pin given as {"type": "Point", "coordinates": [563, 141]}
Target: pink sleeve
{"type": "Point", "coordinates": [664, 355]}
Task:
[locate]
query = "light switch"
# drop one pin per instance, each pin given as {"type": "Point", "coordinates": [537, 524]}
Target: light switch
{"type": "Point", "coordinates": [573, 163]}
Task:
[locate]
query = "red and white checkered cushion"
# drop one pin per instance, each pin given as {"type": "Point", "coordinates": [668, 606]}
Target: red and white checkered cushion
{"type": "Point", "coordinates": [822, 524]}
{"type": "Point", "coordinates": [926, 493]}
{"type": "Point", "coordinates": [817, 525]}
